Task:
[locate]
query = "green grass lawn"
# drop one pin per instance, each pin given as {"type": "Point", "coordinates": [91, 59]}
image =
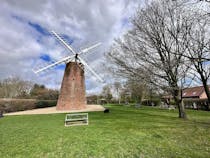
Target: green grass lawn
{"type": "Point", "coordinates": [124, 132]}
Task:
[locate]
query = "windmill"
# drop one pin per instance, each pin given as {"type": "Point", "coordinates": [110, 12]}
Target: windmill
{"type": "Point", "coordinates": [72, 92]}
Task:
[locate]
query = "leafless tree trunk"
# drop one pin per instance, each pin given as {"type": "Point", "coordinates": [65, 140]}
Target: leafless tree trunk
{"type": "Point", "coordinates": [117, 86]}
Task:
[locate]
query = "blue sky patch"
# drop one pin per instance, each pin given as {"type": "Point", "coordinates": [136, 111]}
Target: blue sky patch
{"type": "Point", "coordinates": [49, 60]}
{"type": "Point", "coordinates": [39, 28]}
{"type": "Point", "coordinates": [60, 67]}
{"type": "Point", "coordinates": [206, 63]}
{"type": "Point", "coordinates": [45, 57]}
{"type": "Point", "coordinates": [35, 26]}
{"type": "Point", "coordinates": [88, 84]}
{"type": "Point", "coordinates": [68, 39]}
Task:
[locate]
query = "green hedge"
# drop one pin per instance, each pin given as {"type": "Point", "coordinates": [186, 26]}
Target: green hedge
{"type": "Point", "coordinates": [13, 105]}
{"type": "Point", "coordinates": [45, 103]}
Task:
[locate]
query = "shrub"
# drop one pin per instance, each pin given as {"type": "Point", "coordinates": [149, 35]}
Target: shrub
{"type": "Point", "coordinates": [172, 102]}
{"type": "Point", "coordinates": [13, 105]}
{"type": "Point", "coordinates": [45, 103]}
{"type": "Point", "coordinates": [149, 102]}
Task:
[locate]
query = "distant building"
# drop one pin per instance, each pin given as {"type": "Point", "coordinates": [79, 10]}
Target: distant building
{"type": "Point", "coordinates": [195, 97]}
{"type": "Point", "coordinates": [194, 92]}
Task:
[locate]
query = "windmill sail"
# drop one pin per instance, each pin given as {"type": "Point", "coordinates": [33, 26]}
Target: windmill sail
{"type": "Point", "coordinates": [90, 69]}
{"type": "Point", "coordinates": [63, 42]}
{"type": "Point", "coordinates": [54, 64]}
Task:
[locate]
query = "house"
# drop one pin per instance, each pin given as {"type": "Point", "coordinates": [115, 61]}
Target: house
{"type": "Point", "coordinates": [195, 97]}
{"type": "Point", "coordinates": [194, 92]}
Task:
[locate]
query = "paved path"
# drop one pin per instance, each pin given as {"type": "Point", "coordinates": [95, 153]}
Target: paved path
{"type": "Point", "coordinates": [52, 110]}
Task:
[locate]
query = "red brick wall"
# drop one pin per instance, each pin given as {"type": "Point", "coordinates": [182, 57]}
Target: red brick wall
{"type": "Point", "coordinates": [72, 92]}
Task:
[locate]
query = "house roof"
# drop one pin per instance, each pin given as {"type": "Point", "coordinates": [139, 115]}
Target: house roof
{"type": "Point", "coordinates": [193, 92]}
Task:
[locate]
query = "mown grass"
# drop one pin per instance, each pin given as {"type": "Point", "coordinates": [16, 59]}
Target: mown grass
{"type": "Point", "coordinates": [124, 132]}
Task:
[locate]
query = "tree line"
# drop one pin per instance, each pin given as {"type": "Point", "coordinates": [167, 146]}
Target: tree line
{"type": "Point", "coordinates": [14, 87]}
{"type": "Point", "coordinates": [124, 93]}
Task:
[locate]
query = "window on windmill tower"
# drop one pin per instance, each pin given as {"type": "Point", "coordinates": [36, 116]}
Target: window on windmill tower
{"type": "Point", "coordinates": [194, 93]}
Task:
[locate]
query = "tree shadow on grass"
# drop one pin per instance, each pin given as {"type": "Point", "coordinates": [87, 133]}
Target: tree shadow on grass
{"type": "Point", "coordinates": [150, 118]}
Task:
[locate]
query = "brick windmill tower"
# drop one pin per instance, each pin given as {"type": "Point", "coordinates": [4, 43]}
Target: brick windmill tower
{"type": "Point", "coordinates": [72, 92]}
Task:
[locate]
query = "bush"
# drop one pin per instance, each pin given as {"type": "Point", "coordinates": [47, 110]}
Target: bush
{"type": "Point", "coordinates": [149, 102]}
{"type": "Point", "coordinates": [13, 105]}
{"type": "Point", "coordinates": [45, 103]}
{"type": "Point", "coordinates": [172, 102]}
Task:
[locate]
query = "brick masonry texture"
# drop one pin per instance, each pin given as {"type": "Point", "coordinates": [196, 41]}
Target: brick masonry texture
{"type": "Point", "coordinates": [72, 92]}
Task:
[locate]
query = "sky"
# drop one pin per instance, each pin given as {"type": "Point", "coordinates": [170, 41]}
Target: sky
{"type": "Point", "coordinates": [26, 42]}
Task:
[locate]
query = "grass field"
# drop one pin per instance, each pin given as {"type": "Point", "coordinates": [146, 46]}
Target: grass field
{"type": "Point", "coordinates": [124, 132]}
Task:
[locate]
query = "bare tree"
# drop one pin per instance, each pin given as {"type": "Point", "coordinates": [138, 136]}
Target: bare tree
{"type": "Point", "coordinates": [198, 51]}
{"type": "Point", "coordinates": [14, 87]}
{"type": "Point", "coordinates": [106, 93]}
{"type": "Point", "coordinates": [118, 87]}
{"type": "Point", "coordinates": [153, 49]}
{"type": "Point", "coordinates": [138, 90]}
{"type": "Point", "coordinates": [198, 46]}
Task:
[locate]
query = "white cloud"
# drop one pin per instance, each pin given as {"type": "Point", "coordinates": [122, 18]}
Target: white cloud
{"type": "Point", "coordinates": [85, 21]}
